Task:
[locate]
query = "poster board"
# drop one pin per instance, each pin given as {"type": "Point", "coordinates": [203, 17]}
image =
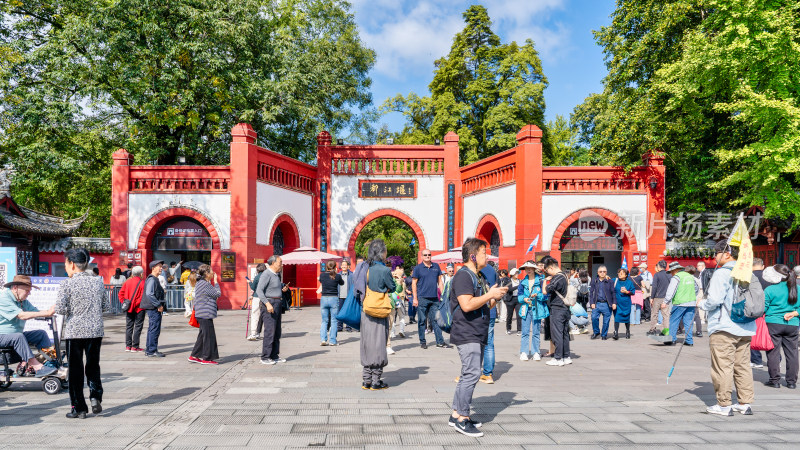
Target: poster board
{"type": "Point", "coordinates": [8, 264]}
{"type": "Point", "coordinates": [43, 298]}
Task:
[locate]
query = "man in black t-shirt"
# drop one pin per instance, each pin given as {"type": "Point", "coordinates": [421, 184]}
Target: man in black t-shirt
{"type": "Point", "coordinates": [470, 329]}
{"type": "Point", "coordinates": [556, 290]}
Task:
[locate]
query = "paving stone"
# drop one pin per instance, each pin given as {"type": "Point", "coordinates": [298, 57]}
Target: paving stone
{"type": "Point", "coordinates": [657, 438]}
{"type": "Point", "coordinates": [587, 438]}
{"type": "Point", "coordinates": [316, 400]}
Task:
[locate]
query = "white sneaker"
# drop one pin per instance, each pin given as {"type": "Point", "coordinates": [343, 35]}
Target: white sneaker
{"type": "Point", "coordinates": [537, 357]}
{"type": "Point", "coordinates": [720, 410]}
{"type": "Point", "coordinates": [756, 366]}
{"type": "Point", "coordinates": [576, 331]}
{"type": "Point", "coordinates": [567, 360]}
{"type": "Point", "coordinates": [401, 334]}
{"type": "Point", "coordinates": [744, 409]}
{"type": "Point", "coordinates": [389, 351]}
{"type": "Point", "coordinates": [555, 362]}
{"type": "Point", "coordinates": [523, 356]}
{"type": "Point", "coordinates": [252, 337]}
{"type": "Point", "coordinates": [391, 336]}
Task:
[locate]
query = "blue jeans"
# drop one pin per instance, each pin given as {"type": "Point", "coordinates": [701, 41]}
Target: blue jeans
{"type": "Point", "coordinates": [488, 352]}
{"type": "Point", "coordinates": [636, 314]}
{"type": "Point", "coordinates": [601, 308]}
{"type": "Point", "coordinates": [426, 311]}
{"type": "Point", "coordinates": [153, 330]}
{"type": "Point", "coordinates": [530, 329]}
{"type": "Point", "coordinates": [678, 314]}
{"type": "Point", "coordinates": [21, 343]}
{"type": "Point", "coordinates": [329, 307]}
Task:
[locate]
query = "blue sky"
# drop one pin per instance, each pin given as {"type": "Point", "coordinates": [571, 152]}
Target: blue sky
{"type": "Point", "coordinates": [408, 35]}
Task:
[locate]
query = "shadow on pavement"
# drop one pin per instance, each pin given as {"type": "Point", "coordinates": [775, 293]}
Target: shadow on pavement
{"type": "Point", "coordinates": [149, 400]}
{"type": "Point", "coordinates": [235, 358]}
{"type": "Point", "coordinates": [293, 335]}
{"type": "Point", "coordinates": [304, 355]}
{"type": "Point", "coordinates": [500, 369]}
{"type": "Point", "coordinates": [400, 376]}
{"type": "Point", "coordinates": [487, 408]}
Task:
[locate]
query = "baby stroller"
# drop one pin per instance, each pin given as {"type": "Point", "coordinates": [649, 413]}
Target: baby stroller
{"type": "Point", "coordinates": [51, 384]}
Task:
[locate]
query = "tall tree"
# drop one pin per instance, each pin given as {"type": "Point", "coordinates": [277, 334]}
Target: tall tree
{"type": "Point", "coordinates": [80, 78]}
{"type": "Point", "coordinates": [714, 84]}
{"type": "Point", "coordinates": [484, 90]}
{"type": "Point", "coordinates": [397, 235]}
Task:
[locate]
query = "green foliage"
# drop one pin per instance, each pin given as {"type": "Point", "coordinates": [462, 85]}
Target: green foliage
{"type": "Point", "coordinates": [81, 78]}
{"type": "Point", "coordinates": [484, 90]}
{"type": "Point", "coordinates": [397, 235]}
{"type": "Point", "coordinates": [714, 84]}
{"type": "Point", "coordinates": [564, 149]}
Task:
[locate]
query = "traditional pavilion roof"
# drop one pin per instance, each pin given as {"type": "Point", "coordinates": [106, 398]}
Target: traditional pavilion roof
{"type": "Point", "coordinates": [27, 221]}
{"type": "Point", "coordinates": [93, 245]}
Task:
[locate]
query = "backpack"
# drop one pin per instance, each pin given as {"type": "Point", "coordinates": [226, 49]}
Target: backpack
{"type": "Point", "coordinates": [748, 305]}
{"type": "Point", "coordinates": [572, 293]}
{"type": "Point", "coordinates": [443, 315]}
{"type": "Point", "coordinates": [583, 288]}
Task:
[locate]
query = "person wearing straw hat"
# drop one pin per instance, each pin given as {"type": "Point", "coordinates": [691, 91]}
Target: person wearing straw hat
{"type": "Point", "coordinates": [15, 309]}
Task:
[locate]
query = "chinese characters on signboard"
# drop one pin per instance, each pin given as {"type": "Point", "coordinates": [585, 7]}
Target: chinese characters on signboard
{"type": "Point", "coordinates": [228, 266]}
{"type": "Point", "coordinates": [388, 189]}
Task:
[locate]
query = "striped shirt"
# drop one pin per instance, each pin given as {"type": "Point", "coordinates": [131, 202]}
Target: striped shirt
{"type": "Point", "coordinates": [205, 300]}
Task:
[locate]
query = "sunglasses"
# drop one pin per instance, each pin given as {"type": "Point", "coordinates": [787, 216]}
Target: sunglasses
{"type": "Point", "coordinates": [426, 254]}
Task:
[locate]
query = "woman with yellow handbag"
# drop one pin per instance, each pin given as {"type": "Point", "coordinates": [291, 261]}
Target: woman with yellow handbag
{"type": "Point", "coordinates": [375, 317]}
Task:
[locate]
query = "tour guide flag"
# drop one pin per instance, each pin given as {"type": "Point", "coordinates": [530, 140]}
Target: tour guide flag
{"type": "Point", "coordinates": [533, 244]}
{"type": "Point", "coordinates": [625, 263]}
{"type": "Point", "coordinates": [740, 237]}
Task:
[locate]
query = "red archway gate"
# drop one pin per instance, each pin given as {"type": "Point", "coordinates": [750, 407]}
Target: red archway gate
{"type": "Point", "coordinates": [351, 246]}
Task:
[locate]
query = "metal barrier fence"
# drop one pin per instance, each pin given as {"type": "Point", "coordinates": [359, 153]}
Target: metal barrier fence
{"type": "Point", "coordinates": [173, 296]}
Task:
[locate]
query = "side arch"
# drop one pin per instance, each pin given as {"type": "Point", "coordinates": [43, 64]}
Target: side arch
{"type": "Point", "coordinates": [291, 235]}
{"type": "Point", "coordinates": [159, 218]}
{"type": "Point", "coordinates": [628, 237]}
{"type": "Point", "coordinates": [351, 246]}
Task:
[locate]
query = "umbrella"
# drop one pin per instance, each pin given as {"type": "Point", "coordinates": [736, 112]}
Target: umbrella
{"type": "Point", "coordinates": [454, 256]}
{"type": "Point", "coordinates": [308, 255]}
{"type": "Point", "coordinates": [192, 265]}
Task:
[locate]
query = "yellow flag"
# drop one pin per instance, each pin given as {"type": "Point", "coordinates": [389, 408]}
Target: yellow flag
{"type": "Point", "coordinates": [740, 237]}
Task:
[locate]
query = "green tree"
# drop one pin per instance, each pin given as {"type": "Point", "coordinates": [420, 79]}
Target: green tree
{"type": "Point", "coordinates": [564, 148]}
{"type": "Point", "coordinates": [714, 84]}
{"type": "Point", "coordinates": [484, 90]}
{"type": "Point", "coordinates": [80, 78]}
{"type": "Point", "coordinates": [397, 235]}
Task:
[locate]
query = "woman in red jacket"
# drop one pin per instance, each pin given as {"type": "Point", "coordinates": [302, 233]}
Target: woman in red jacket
{"type": "Point", "coordinates": [132, 290]}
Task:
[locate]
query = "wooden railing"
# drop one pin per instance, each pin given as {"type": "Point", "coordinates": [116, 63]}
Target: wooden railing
{"type": "Point", "coordinates": [592, 179]}
{"type": "Point", "coordinates": [179, 179]}
{"type": "Point", "coordinates": [493, 178]}
{"type": "Point", "coordinates": [368, 166]}
{"type": "Point", "coordinates": [285, 178]}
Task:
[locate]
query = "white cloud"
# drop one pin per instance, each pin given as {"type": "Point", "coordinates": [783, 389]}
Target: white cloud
{"type": "Point", "coordinates": [409, 35]}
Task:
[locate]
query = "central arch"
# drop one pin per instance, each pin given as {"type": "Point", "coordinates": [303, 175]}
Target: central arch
{"type": "Point", "coordinates": [628, 237]}
{"type": "Point", "coordinates": [351, 245]}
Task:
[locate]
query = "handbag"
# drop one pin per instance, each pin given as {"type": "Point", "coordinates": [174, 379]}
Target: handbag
{"type": "Point", "coordinates": [350, 313]}
{"type": "Point", "coordinates": [193, 321]}
{"type": "Point", "coordinates": [377, 304]}
{"type": "Point", "coordinates": [762, 340]}
{"type": "Point", "coordinates": [126, 303]}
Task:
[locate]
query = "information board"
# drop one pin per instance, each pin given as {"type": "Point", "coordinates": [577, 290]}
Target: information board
{"type": "Point", "coordinates": [43, 298]}
{"type": "Point", "coordinates": [228, 266]}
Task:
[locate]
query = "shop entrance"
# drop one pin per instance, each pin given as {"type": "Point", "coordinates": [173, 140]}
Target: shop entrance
{"type": "Point", "coordinates": [586, 245]}
{"type": "Point", "coordinates": [182, 239]}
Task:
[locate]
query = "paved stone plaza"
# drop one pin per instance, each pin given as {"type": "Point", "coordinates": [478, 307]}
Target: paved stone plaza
{"type": "Point", "coordinates": [614, 395]}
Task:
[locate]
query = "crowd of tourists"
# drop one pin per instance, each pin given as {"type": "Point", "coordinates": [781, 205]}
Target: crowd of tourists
{"type": "Point", "coordinates": [544, 299]}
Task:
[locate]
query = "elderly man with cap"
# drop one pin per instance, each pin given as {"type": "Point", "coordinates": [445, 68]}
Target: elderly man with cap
{"type": "Point", "coordinates": [682, 293]}
{"type": "Point", "coordinates": [647, 283]}
{"type": "Point", "coordinates": [153, 302]}
{"type": "Point", "coordinates": [14, 311]}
